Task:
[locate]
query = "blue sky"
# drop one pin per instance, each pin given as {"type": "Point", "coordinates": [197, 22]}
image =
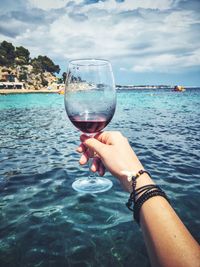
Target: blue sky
{"type": "Point", "coordinates": [147, 41]}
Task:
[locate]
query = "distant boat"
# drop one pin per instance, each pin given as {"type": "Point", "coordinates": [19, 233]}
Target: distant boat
{"type": "Point", "coordinates": [179, 88]}
{"type": "Point", "coordinates": [61, 92]}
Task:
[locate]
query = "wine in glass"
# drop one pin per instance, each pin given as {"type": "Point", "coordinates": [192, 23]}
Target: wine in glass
{"type": "Point", "coordinates": [90, 101]}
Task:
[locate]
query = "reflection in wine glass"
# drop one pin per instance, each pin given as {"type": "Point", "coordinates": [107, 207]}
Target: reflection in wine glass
{"type": "Point", "coordinates": [90, 101]}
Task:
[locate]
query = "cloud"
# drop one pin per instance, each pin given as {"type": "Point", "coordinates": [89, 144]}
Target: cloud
{"type": "Point", "coordinates": [47, 4]}
{"type": "Point", "coordinates": [139, 36]}
{"type": "Point", "coordinates": [127, 5]}
{"type": "Point", "coordinates": [167, 62]}
{"type": "Point", "coordinates": [11, 5]}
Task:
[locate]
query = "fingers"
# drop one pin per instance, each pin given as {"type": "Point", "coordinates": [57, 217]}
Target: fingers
{"type": "Point", "coordinates": [81, 148]}
{"type": "Point", "coordinates": [84, 137]}
{"type": "Point", "coordinates": [109, 138]}
{"type": "Point", "coordinates": [102, 137]}
{"type": "Point", "coordinates": [94, 145]}
{"type": "Point", "coordinates": [95, 164]}
{"type": "Point", "coordinates": [84, 158]}
{"type": "Point", "coordinates": [86, 154]}
{"type": "Point", "coordinates": [101, 169]}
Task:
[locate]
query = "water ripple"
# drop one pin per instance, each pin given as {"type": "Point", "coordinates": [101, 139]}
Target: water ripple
{"type": "Point", "coordinates": [43, 222]}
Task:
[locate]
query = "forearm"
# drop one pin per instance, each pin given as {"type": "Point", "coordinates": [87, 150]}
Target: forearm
{"type": "Point", "coordinates": [168, 242]}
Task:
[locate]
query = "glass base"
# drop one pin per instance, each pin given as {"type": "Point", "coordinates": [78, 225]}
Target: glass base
{"type": "Point", "coordinates": [91, 186]}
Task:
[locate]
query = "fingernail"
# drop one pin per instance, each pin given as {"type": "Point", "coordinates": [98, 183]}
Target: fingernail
{"type": "Point", "coordinates": [93, 168]}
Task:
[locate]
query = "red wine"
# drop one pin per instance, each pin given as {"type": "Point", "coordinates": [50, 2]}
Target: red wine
{"type": "Point", "coordinates": [92, 124]}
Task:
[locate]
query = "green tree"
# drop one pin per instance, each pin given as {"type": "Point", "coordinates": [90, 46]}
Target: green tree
{"type": "Point", "coordinates": [44, 81]}
{"type": "Point", "coordinates": [60, 80]}
{"type": "Point", "coordinates": [23, 76]}
{"type": "Point", "coordinates": [7, 54]}
{"type": "Point", "coordinates": [22, 55]}
{"type": "Point", "coordinates": [44, 63]}
{"type": "Point", "coordinates": [64, 76]}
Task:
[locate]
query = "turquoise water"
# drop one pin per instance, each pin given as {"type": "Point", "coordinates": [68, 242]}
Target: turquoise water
{"type": "Point", "coordinates": [43, 222]}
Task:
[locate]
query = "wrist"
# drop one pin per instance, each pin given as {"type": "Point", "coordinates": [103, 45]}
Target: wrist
{"type": "Point", "coordinates": [126, 179]}
{"type": "Point", "coordinates": [143, 180]}
{"type": "Point", "coordinates": [142, 190]}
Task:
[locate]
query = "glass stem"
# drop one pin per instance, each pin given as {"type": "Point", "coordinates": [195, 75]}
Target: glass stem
{"type": "Point", "coordinates": [91, 175]}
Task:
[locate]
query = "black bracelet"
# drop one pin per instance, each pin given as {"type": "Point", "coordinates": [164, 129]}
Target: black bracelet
{"type": "Point", "coordinates": [145, 197]}
{"type": "Point", "coordinates": [132, 196]}
{"type": "Point", "coordinates": [145, 188]}
{"type": "Point", "coordinates": [148, 191]}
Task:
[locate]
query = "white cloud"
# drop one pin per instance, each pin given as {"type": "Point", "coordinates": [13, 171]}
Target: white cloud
{"type": "Point", "coordinates": [167, 63]}
{"type": "Point", "coordinates": [141, 36]}
{"type": "Point", "coordinates": [129, 5]}
{"type": "Point", "coordinates": [47, 4]}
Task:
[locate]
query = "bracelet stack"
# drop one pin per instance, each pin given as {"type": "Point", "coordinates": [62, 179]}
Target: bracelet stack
{"type": "Point", "coordinates": [147, 191]}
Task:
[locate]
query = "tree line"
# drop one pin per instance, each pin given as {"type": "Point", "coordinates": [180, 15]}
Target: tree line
{"type": "Point", "coordinates": [11, 56]}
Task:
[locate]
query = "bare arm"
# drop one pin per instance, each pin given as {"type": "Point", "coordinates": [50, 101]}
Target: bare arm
{"type": "Point", "coordinates": [169, 243]}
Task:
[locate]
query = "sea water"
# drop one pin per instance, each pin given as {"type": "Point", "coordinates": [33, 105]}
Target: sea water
{"type": "Point", "coordinates": [44, 222]}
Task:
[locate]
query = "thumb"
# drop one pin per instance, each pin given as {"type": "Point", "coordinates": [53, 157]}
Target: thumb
{"type": "Point", "coordinates": [95, 145]}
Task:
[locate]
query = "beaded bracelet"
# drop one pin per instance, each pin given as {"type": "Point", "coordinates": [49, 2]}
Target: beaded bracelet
{"type": "Point", "coordinates": [145, 197]}
{"type": "Point", "coordinates": [148, 191]}
{"type": "Point", "coordinates": [131, 199]}
{"type": "Point", "coordinates": [145, 188]}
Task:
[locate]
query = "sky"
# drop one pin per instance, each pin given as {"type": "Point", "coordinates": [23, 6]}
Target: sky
{"type": "Point", "coordinates": [147, 41]}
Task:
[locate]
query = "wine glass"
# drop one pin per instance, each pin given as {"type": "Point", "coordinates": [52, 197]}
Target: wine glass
{"type": "Point", "coordinates": [90, 101]}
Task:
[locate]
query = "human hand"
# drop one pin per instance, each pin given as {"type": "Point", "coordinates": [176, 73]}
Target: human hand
{"type": "Point", "coordinates": [110, 150]}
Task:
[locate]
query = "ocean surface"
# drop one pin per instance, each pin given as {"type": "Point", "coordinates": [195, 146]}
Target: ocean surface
{"type": "Point", "coordinates": [45, 223]}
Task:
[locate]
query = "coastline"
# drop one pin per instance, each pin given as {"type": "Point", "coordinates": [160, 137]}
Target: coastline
{"type": "Point", "coordinates": [27, 91]}
{"type": "Point", "coordinates": [47, 91]}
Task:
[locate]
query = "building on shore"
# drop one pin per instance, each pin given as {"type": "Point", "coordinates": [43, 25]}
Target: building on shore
{"type": "Point", "coordinates": [12, 85]}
